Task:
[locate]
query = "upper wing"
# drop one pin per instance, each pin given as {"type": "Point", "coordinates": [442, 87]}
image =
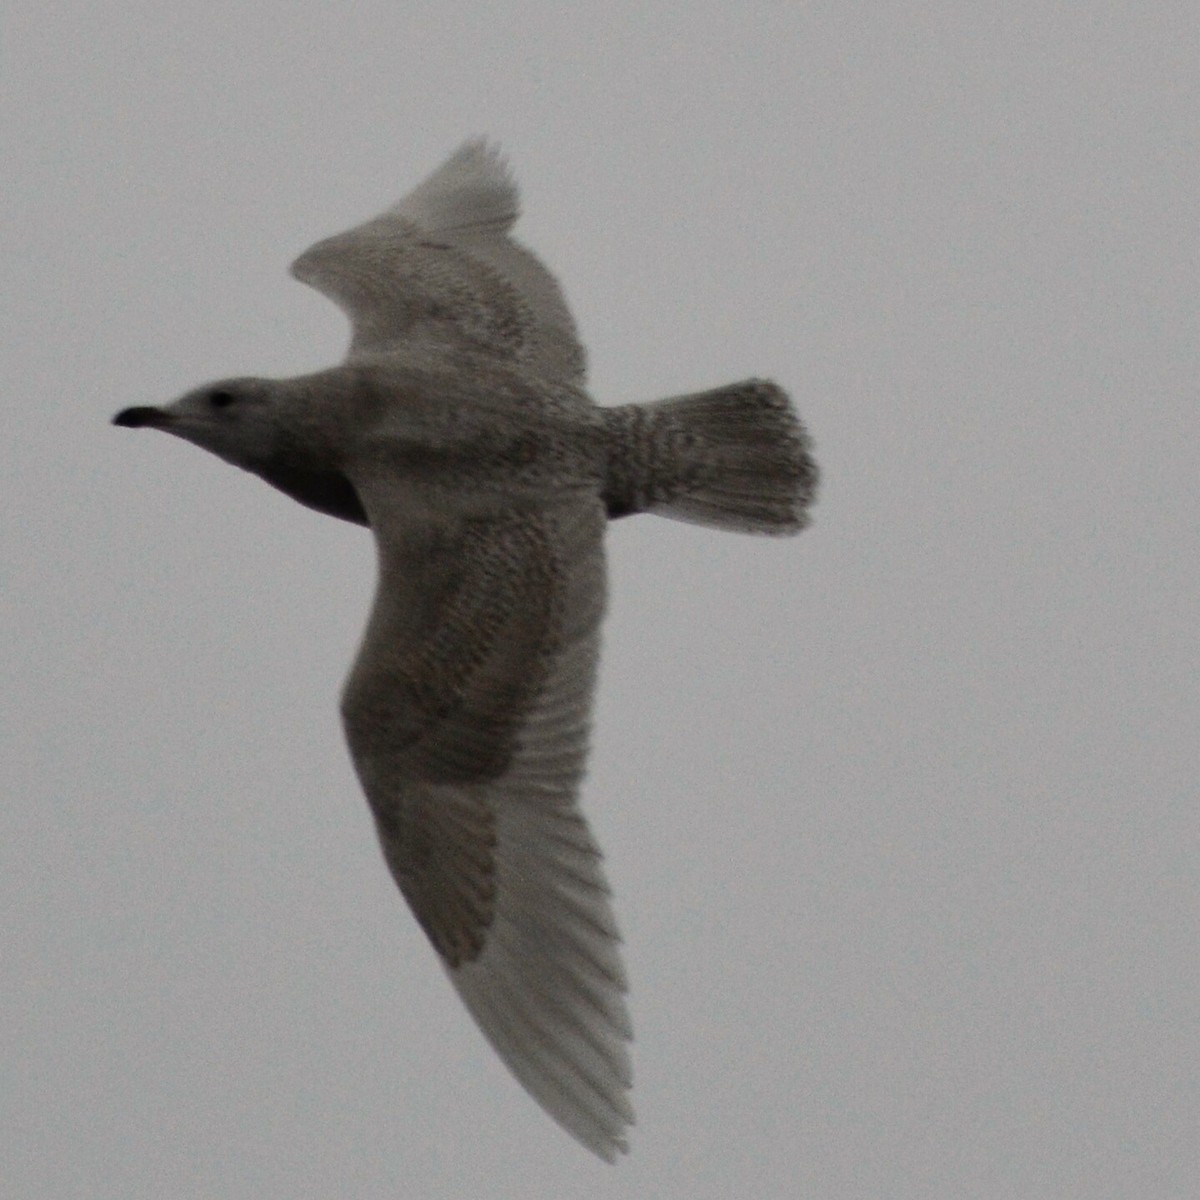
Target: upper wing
{"type": "Point", "coordinates": [467, 716]}
{"type": "Point", "coordinates": [439, 268]}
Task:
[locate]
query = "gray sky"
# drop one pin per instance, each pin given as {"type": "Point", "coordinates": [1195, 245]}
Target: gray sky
{"type": "Point", "coordinates": [901, 816]}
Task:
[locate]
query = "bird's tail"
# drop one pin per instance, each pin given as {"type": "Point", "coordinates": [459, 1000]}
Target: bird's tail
{"type": "Point", "coordinates": [735, 457]}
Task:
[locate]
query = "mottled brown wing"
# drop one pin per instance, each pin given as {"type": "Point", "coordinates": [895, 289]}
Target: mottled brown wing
{"type": "Point", "coordinates": [439, 269]}
{"type": "Point", "coordinates": [467, 715]}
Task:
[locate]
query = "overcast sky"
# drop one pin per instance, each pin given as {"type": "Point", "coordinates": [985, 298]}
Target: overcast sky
{"type": "Point", "coordinates": [901, 816]}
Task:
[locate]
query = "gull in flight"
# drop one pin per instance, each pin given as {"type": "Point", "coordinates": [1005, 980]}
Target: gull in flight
{"type": "Point", "coordinates": [458, 429]}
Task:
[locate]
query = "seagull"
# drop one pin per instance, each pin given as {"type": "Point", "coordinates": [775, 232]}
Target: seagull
{"type": "Point", "coordinates": [459, 430]}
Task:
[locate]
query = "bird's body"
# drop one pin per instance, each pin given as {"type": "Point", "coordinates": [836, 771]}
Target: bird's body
{"type": "Point", "coordinates": [471, 427]}
{"type": "Point", "coordinates": [459, 430]}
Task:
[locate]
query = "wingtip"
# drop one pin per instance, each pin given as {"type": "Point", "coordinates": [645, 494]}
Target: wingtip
{"type": "Point", "coordinates": [484, 156]}
{"type": "Point", "coordinates": [473, 189]}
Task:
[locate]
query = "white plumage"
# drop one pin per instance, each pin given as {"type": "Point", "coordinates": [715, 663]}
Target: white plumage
{"type": "Point", "coordinates": [459, 431]}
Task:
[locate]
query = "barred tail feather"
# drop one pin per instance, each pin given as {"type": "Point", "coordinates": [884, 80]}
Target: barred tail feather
{"type": "Point", "coordinates": [735, 457]}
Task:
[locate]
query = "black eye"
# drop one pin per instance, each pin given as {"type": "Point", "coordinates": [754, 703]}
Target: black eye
{"type": "Point", "coordinates": [221, 398]}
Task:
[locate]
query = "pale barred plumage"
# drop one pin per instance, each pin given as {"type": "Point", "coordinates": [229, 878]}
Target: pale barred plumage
{"type": "Point", "coordinates": [458, 430]}
{"type": "Point", "coordinates": [438, 267]}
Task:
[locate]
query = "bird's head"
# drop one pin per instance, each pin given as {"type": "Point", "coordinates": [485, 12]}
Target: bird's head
{"type": "Point", "coordinates": [236, 419]}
